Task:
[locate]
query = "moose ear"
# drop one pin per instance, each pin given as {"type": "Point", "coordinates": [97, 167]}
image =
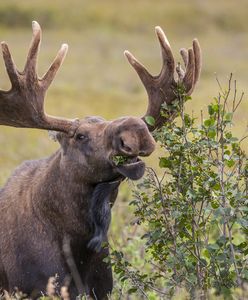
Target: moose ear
{"type": "Point", "coordinates": [62, 138]}
{"type": "Point", "coordinates": [54, 135]}
{"type": "Point", "coordinates": [57, 136]}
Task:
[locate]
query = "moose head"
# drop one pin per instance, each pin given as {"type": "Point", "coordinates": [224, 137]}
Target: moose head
{"type": "Point", "coordinates": [68, 196]}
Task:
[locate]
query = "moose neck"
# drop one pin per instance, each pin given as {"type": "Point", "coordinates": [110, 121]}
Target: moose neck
{"type": "Point", "coordinates": [62, 197]}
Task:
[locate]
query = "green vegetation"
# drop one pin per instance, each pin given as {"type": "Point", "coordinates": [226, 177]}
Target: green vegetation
{"type": "Point", "coordinates": [96, 80]}
{"type": "Point", "coordinates": [194, 217]}
{"type": "Point", "coordinates": [119, 160]}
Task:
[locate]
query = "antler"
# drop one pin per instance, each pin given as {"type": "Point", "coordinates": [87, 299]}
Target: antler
{"type": "Point", "coordinates": [23, 105]}
{"type": "Point", "coordinates": [161, 89]}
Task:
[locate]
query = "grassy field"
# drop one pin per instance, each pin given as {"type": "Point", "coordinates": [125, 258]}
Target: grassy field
{"type": "Point", "coordinates": [96, 79]}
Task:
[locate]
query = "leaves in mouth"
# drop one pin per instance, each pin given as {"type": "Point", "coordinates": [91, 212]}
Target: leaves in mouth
{"type": "Point", "coordinates": [120, 160]}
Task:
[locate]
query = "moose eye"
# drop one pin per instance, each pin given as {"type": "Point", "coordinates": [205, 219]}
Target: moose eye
{"type": "Point", "coordinates": [81, 137]}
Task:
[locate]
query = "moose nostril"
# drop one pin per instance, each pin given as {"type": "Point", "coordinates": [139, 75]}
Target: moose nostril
{"type": "Point", "coordinates": [125, 147]}
{"type": "Point", "coordinates": [142, 153]}
{"type": "Point", "coordinates": [122, 142]}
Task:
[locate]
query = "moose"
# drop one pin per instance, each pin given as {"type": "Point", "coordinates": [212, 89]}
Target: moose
{"type": "Point", "coordinates": [62, 204]}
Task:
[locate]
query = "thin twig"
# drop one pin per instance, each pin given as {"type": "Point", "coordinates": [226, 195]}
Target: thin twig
{"type": "Point", "coordinates": [240, 100]}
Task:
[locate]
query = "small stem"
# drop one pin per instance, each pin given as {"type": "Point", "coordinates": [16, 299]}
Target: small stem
{"type": "Point", "coordinates": [240, 100]}
{"type": "Point", "coordinates": [233, 255]}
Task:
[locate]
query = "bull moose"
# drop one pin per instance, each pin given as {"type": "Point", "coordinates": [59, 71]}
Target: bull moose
{"type": "Point", "coordinates": [61, 204]}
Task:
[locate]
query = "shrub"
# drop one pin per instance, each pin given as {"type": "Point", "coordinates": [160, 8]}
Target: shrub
{"type": "Point", "coordinates": [195, 214]}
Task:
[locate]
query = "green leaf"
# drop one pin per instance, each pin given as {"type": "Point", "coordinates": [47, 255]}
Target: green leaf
{"type": "Point", "coordinates": [242, 245]}
{"type": "Point", "coordinates": [212, 133]}
{"type": "Point", "coordinates": [132, 290]}
{"type": "Point", "coordinates": [230, 163]}
{"type": "Point", "coordinates": [210, 110]}
{"type": "Point", "coordinates": [213, 108]}
{"type": "Point", "coordinates": [150, 120]}
{"type": "Point", "coordinates": [222, 240]}
{"type": "Point", "coordinates": [228, 116]}
{"type": "Point", "coordinates": [214, 204]}
{"type": "Point", "coordinates": [213, 247]}
{"type": "Point", "coordinates": [209, 122]}
{"type": "Point", "coordinates": [164, 162]}
{"type": "Point", "coordinates": [228, 135]}
{"type": "Point", "coordinates": [188, 121]}
{"type": "Point", "coordinates": [119, 159]}
{"type": "Point", "coordinates": [217, 186]}
{"type": "Point", "coordinates": [206, 253]}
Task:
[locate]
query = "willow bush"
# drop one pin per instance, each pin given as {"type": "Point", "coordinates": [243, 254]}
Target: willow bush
{"type": "Point", "coordinates": [195, 215]}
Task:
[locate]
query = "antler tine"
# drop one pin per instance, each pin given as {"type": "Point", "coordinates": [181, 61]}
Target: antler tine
{"type": "Point", "coordinates": [31, 61]}
{"type": "Point", "coordinates": [48, 77]}
{"type": "Point", "coordinates": [161, 88]}
{"type": "Point", "coordinates": [189, 76]}
{"type": "Point", "coordinates": [144, 75]}
{"type": "Point", "coordinates": [198, 63]}
{"type": "Point", "coordinates": [167, 56]}
{"type": "Point", "coordinates": [180, 72]}
{"type": "Point", "coordinates": [23, 105]}
{"type": "Point", "coordinates": [185, 57]}
{"type": "Point", "coordinates": [9, 65]}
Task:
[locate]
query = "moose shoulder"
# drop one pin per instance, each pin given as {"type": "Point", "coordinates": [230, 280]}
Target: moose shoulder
{"type": "Point", "coordinates": [65, 199]}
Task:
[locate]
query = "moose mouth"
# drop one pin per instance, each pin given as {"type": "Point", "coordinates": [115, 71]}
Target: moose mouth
{"type": "Point", "coordinates": [130, 167]}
